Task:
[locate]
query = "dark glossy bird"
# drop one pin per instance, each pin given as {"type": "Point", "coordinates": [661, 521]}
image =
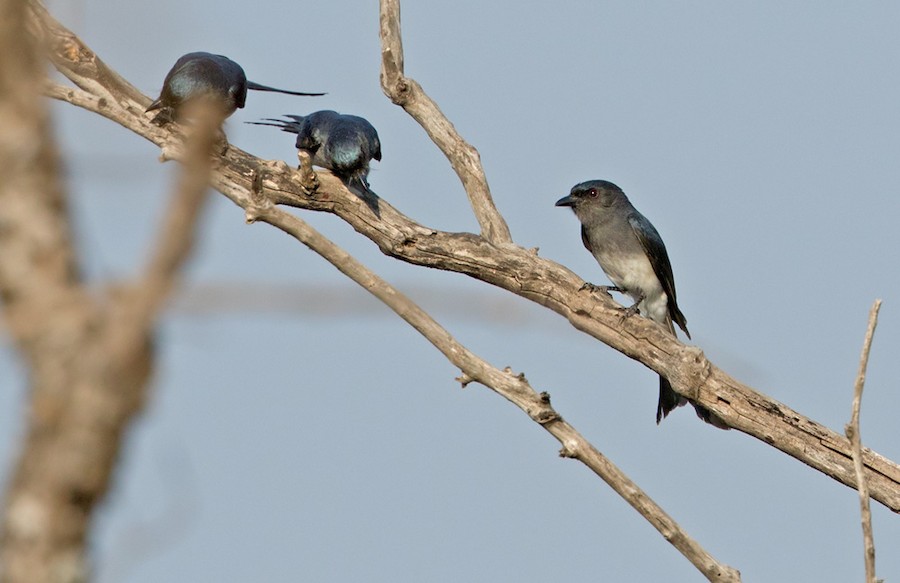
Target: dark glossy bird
{"type": "Point", "coordinates": [633, 256]}
{"type": "Point", "coordinates": [207, 76]}
{"type": "Point", "coordinates": [341, 143]}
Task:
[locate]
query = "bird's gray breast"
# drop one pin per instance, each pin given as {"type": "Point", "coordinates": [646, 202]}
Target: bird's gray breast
{"type": "Point", "coordinates": [624, 261]}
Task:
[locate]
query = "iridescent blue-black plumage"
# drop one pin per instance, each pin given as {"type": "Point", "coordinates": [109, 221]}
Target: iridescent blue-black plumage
{"type": "Point", "coordinates": [344, 144]}
{"type": "Point", "coordinates": [208, 76]}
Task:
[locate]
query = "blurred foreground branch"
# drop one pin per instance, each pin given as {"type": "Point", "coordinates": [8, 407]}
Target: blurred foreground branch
{"type": "Point", "coordinates": [89, 358]}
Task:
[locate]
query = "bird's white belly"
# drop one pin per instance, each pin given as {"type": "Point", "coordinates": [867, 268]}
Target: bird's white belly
{"type": "Point", "coordinates": [634, 274]}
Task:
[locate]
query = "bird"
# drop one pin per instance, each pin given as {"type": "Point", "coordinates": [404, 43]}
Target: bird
{"type": "Point", "coordinates": [205, 75]}
{"type": "Point", "coordinates": [633, 256]}
{"type": "Point", "coordinates": [344, 144]}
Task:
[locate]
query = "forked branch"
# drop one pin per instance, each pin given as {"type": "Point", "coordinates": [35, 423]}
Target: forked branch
{"type": "Point", "coordinates": [464, 158]}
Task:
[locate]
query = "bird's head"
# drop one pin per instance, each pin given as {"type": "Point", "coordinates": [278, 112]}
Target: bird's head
{"type": "Point", "coordinates": [592, 198]}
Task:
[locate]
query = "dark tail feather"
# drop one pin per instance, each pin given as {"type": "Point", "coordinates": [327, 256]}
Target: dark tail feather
{"type": "Point", "coordinates": [292, 127]}
{"type": "Point", "coordinates": [359, 186]}
{"type": "Point", "coordinates": [710, 417]}
{"type": "Point", "coordinates": [258, 87]}
{"type": "Point", "coordinates": [668, 399]}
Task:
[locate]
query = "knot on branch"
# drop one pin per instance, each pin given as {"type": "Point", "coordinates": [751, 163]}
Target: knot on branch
{"type": "Point", "coordinates": [693, 373]}
{"type": "Point", "coordinates": [71, 49]}
{"type": "Point", "coordinates": [464, 380]}
{"type": "Point", "coordinates": [546, 416]}
{"type": "Point", "coordinates": [543, 412]}
{"type": "Point", "coordinates": [569, 449]}
{"type": "Point", "coordinates": [399, 91]}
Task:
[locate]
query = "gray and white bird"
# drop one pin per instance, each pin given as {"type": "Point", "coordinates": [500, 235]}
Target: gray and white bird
{"type": "Point", "coordinates": [633, 256]}
{"type": "Point", "coordinates": [216, 78]}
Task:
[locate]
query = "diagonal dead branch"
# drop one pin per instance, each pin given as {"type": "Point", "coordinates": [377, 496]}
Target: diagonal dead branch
{"type": "Point", "coordinates": [853, 434]}
{"type": "Point", "coordinates": [514, 388]}
{"type": "Point", "coordinates": [520, 271]}
{"type": "Point", "coordinates": [464, 158]}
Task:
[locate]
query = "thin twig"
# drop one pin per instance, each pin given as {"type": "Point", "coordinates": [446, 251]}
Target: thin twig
{"type": "Point", "coordinates": [853, 434]}
{"type": "Point", "coordinates": [409, 95]}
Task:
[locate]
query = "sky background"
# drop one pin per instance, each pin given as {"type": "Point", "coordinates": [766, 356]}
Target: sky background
{"type": "Point", "coordinates": [299, 431]}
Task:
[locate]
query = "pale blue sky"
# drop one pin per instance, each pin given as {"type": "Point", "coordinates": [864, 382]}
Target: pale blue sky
{"type": "Point", "coordinates": [761, 139]}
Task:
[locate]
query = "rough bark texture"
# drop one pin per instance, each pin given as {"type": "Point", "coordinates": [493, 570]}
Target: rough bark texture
{"type": "Point", "coordinates": [464, 158]}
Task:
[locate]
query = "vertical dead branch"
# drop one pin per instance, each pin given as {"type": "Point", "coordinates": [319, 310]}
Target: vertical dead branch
{"type": "Point", "coordinates": [853, 434]}
{"type": "Point", "coordinates": [409, 95]}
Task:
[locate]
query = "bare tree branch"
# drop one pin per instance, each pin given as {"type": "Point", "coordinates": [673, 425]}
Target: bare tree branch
{"type": "Point", "coordinates": [517, 270]}
{"type": "Point", "coordinates": [514, 388]}
{"type": "Point", "coordinates": [852, 431]}
{"type": "Point", "coordinates": [464, 158]}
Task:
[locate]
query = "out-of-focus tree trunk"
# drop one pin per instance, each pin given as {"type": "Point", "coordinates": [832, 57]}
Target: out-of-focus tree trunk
{"type": "Point", "coordinates": [89, 355]}
{"type": "Point", "coordinates": [82, 392]}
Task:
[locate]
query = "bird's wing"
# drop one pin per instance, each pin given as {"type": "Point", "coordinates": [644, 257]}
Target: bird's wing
{"type": "Point", "coordinates": [376, 147]}
{"type": "Point", "coordinates": [315, 130]}
{"type": "Point", "coordinates": [659, 260]}
{"type": "Point", "coordinates": [585, 240]}
{"type": "Point", "coordinates": [370, 135]}
{"type": "Point", "coordinates": [182, 64]}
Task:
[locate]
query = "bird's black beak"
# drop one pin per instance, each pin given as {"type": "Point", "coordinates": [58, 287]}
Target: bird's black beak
{"type": "Point", "coordinates": [566, 201]}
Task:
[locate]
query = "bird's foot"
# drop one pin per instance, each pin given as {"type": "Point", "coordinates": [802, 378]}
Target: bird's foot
{"type": "Point", "coordinates": [605, 289]}
{"type": "Point", "coordinates": [631, 310]}
{"type": "Point", "coordinates": [308, 179]}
